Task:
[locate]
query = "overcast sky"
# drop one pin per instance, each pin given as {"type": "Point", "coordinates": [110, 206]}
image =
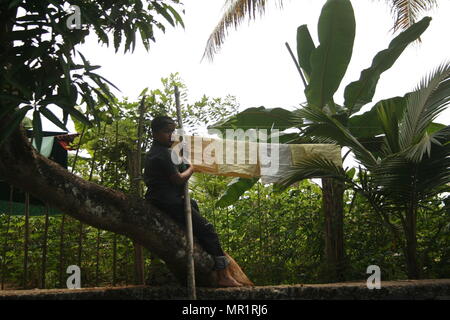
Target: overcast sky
{"type": "Point", "coordinates": [254, 64]}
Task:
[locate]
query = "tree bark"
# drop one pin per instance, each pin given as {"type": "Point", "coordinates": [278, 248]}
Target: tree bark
{"type": "Point", "coordinates": [412, 263]}
{"type": "Point", "coordinates": [333, 208]}
{"type": "Point", "coordinates": [103, 208]}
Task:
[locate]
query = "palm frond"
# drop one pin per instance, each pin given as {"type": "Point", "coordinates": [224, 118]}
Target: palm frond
{"type": "Point", "coordinates": [406, 12]}
{"type": "Point", "coordinates": [389, 122]}
{"type": "Point", "coordinates": [312, 167]}
{"type": "Point", "coordinates": [235, 12]}
{"type": "Point", "coordinates": [429, 99]}
{"type": "Point", "coordinates": [402, 180]}
{"type": "Point", "coordinates": [320, 124]}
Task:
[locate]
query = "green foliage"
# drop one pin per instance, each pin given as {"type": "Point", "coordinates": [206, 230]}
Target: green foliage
{"type": "Point", "coordinates": [305, 47]}
{"type": "Point", "coordinates": [329, 61]}
{"type": "Point", "coordinates": [277, 237]}
{"type": "Point", "coordinates": [234, 190]}
{"type": "Point", "coordinates": [116, 137]}
{"type": "Point", "coordinates": [257, 118]}
{"type": "Point", "coordinates": [38, 55]}
{"type": "Point", "coordinates": [104, 158]}
{"type": "Point", "coordinates": [361, 92]}
{"type": "Point", "coordinates": [405, 156]}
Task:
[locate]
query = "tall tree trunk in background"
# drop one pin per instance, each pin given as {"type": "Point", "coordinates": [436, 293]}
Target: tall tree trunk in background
{"type": "Point", "coordinates": [412, 262]}
{"type": "Point", "coordinates": [333, 210]}
{"type": "Point", "coordinates": [100, 207]}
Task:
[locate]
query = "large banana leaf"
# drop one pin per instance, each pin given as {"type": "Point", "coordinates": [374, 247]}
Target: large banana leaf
{"type": "Point", "coordinates": [234, 190]}
{"type": "Point", "coordinates": [305, 47]}
{"type": "Point", "coordinates": [257, 118]}
{"type": "Point", "coordinates": [368, 124]}
{"type": "Point", "coordinates": [329, 61]}
{"type": "Point", "coordinates": [360, 92]}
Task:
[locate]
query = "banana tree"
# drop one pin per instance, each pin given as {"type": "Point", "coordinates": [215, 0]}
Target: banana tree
{"type": "Point", "coordinates": [324, 67]}
{"type": "Point", "coordinates": [411, 163]}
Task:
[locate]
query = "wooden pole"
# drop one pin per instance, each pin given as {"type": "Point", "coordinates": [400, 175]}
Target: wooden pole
{"type": "Point", "coordinates": [116, 178]}
{"type": "Point", "coordinates": [44, 249]}
{"type": "Point", "coordinates": [97, 258]}
{"type": "Point", "coordinates": [136, 190]}
{"type": "Point", "coordinates": [80, 225]}
{"type": "Point", "coordinates": [61, 251]}
{"type": "Point", "coordinates": [188, 213]}
{"type": "Point", "coordinates": [80, 244]}
{"type": "Point", "coordinates": [26, 239]}
{"type": "Point", "coordinates": [78, 149]}
{"type": "Point", "coordinates": [97, 250]}
{"type": "Point", "coordinates": [5, 244]}
{"type": "Point", "coordinates": [296, 64]}
{"type": "Point", "coordinates": [63, 221]}
{"type": "Point", "coordinates": [114, 280]}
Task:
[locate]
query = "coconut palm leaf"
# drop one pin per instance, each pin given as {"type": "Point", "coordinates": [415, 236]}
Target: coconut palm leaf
{"type": "Point", "coordinates": [235, 11]}
{"type": "Point", "coordinates": [320, 124]}
{"type": "Point", "coordinates": [406, 12]}
{"type": "Point", "coordinates": [431, 97]}
{"type": "Point", "coordinates": [403, 181]}
{"type": "Point", "coordinates": [312, 167]}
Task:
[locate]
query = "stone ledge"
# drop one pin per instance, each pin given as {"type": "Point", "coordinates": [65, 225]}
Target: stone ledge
{"type": "Point", "coordinates": [436, 289]}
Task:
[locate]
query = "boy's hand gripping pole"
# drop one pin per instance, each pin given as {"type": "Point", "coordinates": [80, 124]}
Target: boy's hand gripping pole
{"type": "Point", "coordinates": [188, 212]}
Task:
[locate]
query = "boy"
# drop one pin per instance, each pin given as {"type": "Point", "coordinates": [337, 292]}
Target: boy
{"type": "Point", "coordinates": [166, 191]}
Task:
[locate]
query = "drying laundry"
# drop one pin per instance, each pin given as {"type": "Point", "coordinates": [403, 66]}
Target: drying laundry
{"type": "Point", "coordinates": [270, 161]}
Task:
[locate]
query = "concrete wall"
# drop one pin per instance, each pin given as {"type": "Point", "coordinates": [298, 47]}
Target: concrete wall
{"type": "Point", "coordinates": [438, 289]}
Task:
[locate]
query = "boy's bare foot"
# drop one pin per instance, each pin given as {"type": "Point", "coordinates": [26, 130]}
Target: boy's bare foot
{"type": "Point", "coordinates": [226, 280]}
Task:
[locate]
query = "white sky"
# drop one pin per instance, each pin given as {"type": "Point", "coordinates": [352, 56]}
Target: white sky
{"type": "Point", "coordinates": [254, 64]}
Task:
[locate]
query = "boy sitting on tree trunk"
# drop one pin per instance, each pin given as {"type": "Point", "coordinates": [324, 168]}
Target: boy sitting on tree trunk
{"type": "Point", "coordinates": [165, 185]}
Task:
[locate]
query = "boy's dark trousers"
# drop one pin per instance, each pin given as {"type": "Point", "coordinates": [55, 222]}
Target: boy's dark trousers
{"type": "Point", "coordinates": [202, 229]}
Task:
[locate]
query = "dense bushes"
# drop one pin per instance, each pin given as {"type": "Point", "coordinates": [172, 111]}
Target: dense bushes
{"type": "Point", "coordinates": [277, 237]}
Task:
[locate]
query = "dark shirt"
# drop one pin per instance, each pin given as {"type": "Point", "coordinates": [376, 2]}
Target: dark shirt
{"type": "Point", "coordinates": [158, 168]}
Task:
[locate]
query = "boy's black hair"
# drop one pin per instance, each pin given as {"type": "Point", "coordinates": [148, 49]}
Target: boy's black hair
{"type": "Point", "coordinates": [160, 122]}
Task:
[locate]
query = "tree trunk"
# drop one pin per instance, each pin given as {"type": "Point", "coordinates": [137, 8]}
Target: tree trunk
{"type": "Point", "coordinates": [103, 208]}
{"type": "Point", "coordinates": [412, 263]}
{"type": "Point", "coordinates": [333, 209]}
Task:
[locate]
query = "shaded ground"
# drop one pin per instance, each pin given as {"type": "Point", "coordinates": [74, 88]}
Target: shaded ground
{"type": "Point", "coordinates": [407, 289]}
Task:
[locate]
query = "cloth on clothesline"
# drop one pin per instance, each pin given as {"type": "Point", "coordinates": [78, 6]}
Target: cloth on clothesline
{"type": "Point", "coordinates": [246, 159]}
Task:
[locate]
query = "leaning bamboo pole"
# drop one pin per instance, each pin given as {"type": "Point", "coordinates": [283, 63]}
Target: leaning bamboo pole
{"type": "Point", "coordinates": [44, 249]}
{"type": "Point", "coordinates": [136, 190]}
{"type": "Point", "coordinates": [63, 219]}
{"type": "Point", "coordinates": [5, 243]}
{"type": "Point", "coordinates": [188, 214]}
{"type": "Point", "coordinates": [61, 251]}
{"type": "Point", "coordinates": [26, 240]}
{"type": "Point", "coordinates": [114, 266]}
